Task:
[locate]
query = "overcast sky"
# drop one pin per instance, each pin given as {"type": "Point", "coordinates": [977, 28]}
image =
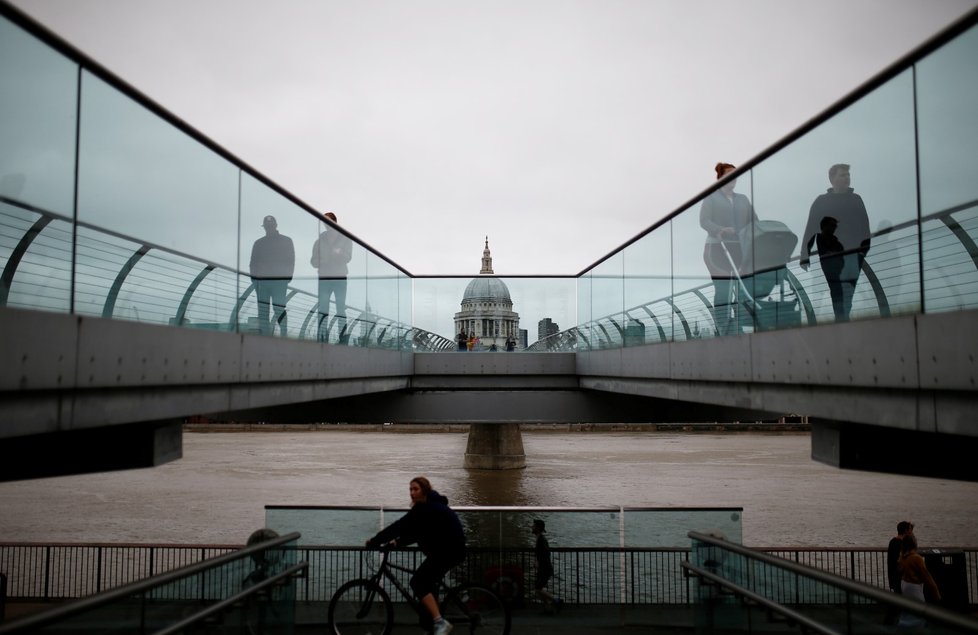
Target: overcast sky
{"type": "Point", "coordinates": [559, 128]}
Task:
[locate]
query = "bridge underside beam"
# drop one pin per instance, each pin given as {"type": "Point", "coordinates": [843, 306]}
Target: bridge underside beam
{"type": "Point", "coordinates": [123, 447]}
{"type": "Point", "coordinates": [499, 406]}
{"type": "Point", "coordinates": [855, 446]}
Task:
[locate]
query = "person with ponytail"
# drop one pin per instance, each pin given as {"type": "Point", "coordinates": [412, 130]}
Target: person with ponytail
{"type": "Point", "coordinates": [724, 215]}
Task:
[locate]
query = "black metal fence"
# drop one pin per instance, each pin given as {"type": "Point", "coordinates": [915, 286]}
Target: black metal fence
{"type": "Point", "coordinates": [582, 576]}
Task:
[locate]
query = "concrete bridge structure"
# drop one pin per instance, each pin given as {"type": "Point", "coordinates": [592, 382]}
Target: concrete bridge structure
{"type": "Point", "coordinates": [114, 331]}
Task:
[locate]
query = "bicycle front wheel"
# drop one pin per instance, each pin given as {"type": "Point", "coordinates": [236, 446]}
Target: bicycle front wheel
{"type": "Point", "coordinates": [475, 609]}
{"type": "Point", "coordinates": [360, 607]}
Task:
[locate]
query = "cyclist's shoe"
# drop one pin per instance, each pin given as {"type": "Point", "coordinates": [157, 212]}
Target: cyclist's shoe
{"type": "Point", "coordinates": [443, 627]}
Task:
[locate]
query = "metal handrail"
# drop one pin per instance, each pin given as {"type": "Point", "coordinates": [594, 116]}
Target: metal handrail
{"type": "Point", "coordinates": [881, 596]}
{"type": "Point", "coordinates": [804, 622]}
{"type": "Point", "coordinates": [118, 593]}
{"type": "Point", "coordinates": [223, 605]}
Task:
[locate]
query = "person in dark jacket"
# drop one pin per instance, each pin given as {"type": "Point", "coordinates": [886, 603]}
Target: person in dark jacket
{"type": "Point", "coordinates": [852, 238]}
{"type": "Point", "coordinates": [434, 526]}
{"type": "Point", "coordinates": [271, 267]}
{"type": "Point", "coordinates": [545, 566]}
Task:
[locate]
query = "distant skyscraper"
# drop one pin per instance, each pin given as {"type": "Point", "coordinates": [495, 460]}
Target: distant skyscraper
{"type": "Point", "coordinates": [546, 327]}
{"type": "Point", "coordinates": [487, 308]}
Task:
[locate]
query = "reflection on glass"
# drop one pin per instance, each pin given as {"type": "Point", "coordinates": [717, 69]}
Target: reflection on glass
{"type": "Point", "coordinates": [947, 118]}
{"type": "Point", "coordinates": [691, 304]}
{"type": "Point", "coordinates": [585, 314]}
{"type": "Point", "coordinates": [141, 177]}
{"type": "Point", "coordinates": [647, 284]}
{"type": "Point", "coordinates": [727, 216]}
{"type": "Point", "coordinates": [332, 256]}
{"type": "Point", "coordinates": [607, 303]}
{"type": "Point", "coordinates": [825, 230]}
{"type": "Point", "coordinates": [379, 327]}
{"type": "Point", "coordinates": [35, 258]}
{"type": "Point", "coordinates": [947, 102]}
{"type": "Point", "coordinates": [858, 171]}
{"type": "Point", "coordinates": [38, 96]}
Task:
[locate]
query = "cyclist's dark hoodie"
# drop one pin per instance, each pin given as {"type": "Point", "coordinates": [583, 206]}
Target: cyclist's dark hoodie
{"type": "Point", "coordinates": [432, 524]}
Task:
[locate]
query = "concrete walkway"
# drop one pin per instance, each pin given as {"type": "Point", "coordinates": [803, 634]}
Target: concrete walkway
{"type": "Point", "coordinates": [571, 620]}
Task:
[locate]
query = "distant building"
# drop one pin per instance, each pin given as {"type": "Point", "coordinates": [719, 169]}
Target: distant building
{"type": "Point", "coordinates": [487, 309]}
{"type": "Point", "coordinates": [634, 333]}
{"type": "Point", "coordinates": [545, 328]}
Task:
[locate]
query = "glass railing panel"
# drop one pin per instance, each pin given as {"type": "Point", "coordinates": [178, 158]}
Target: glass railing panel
{"type": "Point", "coordinates": [38, 97]}
{"type": "Point", "coordinates": [210, 304]}
{"type": "Point", "coordinates": [330, 526]}
{"type": "Point", "coordinates": [868, 147]}
{"type": "Point", "coordinates": [104, 261]}
{"type": "Point", "coordinates": [378, 326]}
{"type": "Point", "coordinates": [947, 121]}
{"type": "Point", "coordinates": [494, 309]}
{"type": "Point", "coordinates": [121, 279]}
{"type": "Point", "coordinates": [951, 270]}
{"type": "Point", "coordinates": [608, 303]}
{"type": "Point", "coordinates": [947, 118]}
{"type": "Point", "coordinates": [658, 527]}
{"type": "Point", "coordinates": [357, 314]}
{"type": "Point", "coordinates": [437, 308]}
{"type": "Point", "coordinates": [584, 313]}
{"type": "Point", "coordinates": [647, 280]}
{"type": "Point", "coordinates": [405, 318]}
{"type": "Point", "coordinates": [894, 259]}
{"type": "Point", "coordinates": [141, 177]}
{"type": "Point", "coordinates": [35, 260]}
{"type": "Point", "coordinates": [717, 610]}
{"type": "Point", "coordinates": [694, 289]}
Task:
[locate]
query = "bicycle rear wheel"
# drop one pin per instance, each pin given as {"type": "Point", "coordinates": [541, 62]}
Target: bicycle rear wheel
{"type": "Point", "coordinates": [475, 609]}
{"type": "Point", "coordinates": [360, 607]}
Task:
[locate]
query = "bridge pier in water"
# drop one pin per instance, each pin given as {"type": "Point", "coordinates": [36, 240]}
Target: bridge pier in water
{"type": "Point", "coordinates": [495, 446]}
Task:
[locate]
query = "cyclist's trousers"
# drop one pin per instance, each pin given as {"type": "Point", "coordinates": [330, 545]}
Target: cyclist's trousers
{"type": "Point", "coordinates": [433, 569]}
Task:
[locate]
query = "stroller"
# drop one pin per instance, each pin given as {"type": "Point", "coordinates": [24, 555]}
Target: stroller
{"type": "Point", "coordinates": [761, 276]}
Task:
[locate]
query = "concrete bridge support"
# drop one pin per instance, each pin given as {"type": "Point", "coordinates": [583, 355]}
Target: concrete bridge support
{"type": "Point", "coordinates": [495, 446]}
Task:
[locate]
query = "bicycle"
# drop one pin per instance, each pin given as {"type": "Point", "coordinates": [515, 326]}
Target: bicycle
{"type": "Point", "coordinates": [363, 607]}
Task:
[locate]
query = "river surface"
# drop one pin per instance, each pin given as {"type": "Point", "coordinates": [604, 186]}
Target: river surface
{"type": "Point", "coordinates": [217, 493]}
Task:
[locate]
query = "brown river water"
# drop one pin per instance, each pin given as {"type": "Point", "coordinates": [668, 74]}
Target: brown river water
{"type": "Point", "coordinates": [216, 494]}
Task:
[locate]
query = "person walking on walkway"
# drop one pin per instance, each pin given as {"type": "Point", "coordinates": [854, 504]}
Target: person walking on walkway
{"type": "Point", "coordinates": [271, 267]}
{"type": "Point", "coordinates": [545, 567]}
{"type": "Point", "coordinates": [330, 254]}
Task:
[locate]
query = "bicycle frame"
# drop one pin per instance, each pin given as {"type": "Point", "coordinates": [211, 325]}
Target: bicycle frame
{"type": "Point", "coordinates": [384, 571]}
{"type": "Point", "coordinates": [468, 604]}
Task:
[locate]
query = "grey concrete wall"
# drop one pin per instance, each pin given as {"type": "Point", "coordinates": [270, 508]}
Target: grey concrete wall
{"type": "Point", "coordinates": [915, 372]}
